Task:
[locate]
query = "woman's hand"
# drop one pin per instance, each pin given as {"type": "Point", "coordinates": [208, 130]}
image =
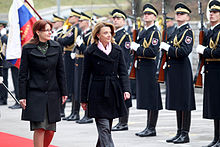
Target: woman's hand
{"type": "Point", "coordinates": [64, 98]}
{"type": "Point", "coordinates": [23, 103]}
{"type": "Point", "coordinates": [84, 106]}
{"type": "Point", "coordinates": [126, 95]}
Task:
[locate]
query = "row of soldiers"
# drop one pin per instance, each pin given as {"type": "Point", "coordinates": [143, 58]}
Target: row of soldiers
{"type": "Point", "coordinates": [179, 80]}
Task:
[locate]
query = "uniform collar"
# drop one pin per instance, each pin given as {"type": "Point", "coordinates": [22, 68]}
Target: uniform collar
{"type": "Point", "coordinates": [119, 29]}
{"type": "Point", "coordinates": [181, 25]}
{"type": "Point", "coordinates": [213, 27]}
{"type": "Point", "coordinates": [146, 28]}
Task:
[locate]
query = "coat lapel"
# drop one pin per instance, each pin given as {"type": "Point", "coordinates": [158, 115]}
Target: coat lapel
{"type": "Point", "coordinates": [101, 54]}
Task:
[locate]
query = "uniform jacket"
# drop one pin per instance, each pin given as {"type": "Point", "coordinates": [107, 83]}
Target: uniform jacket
{"type": "Point", "coordinates": [123, 39]}
{"type": "Point", "coordinates": [42, 82]}
{"type": "Point", "coordinates": [147, 89]}
{"type": "Point", "coordinates": [104, 81]}
{"type": "Point", "coordinates": [179, 85]}
{"type": "Point", "coordinates": [212, 73]}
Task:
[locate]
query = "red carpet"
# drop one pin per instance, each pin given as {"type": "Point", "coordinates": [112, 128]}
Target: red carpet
{"type": "Point", "coordinates": [8, 140]}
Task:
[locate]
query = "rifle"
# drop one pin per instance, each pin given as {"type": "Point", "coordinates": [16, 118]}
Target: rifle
{"type": "Point", "coordinates": [132, 71]}
{"type": "Point", "coordinates": [198, 75]}
{"type": "Point", "coordinates": [16, 100]}
{"type": "Point", "coordinates": [162, 60]}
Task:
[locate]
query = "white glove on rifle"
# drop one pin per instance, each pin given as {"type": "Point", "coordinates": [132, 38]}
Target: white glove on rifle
{"type": "Point", "coordinates": [73, 55]}
{"type": "Point", "coordinates": [200, 49]}
{"type": "Point", "coordinates": [1, 79]}
{"type": "Point", "coordinates": [79, 40]}
{"type": "Point", "coordinates": [134, 46]}
{"type": "Point", "coordinates": [164, 46]}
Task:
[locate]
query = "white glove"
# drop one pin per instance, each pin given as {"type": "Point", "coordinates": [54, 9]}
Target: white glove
{"type": "Point", "coordinates": [1, 79]}
{"type": "Point", "coordinates": [165, 46]}
{"type": "Point", "coordinates": [134, 46]}
{"type": "Point", "coordinates": [79, 40]}
{"type": "Point", "coordinates": [200, 49]}
{"type": "Point", "coordinates": [73, 55]}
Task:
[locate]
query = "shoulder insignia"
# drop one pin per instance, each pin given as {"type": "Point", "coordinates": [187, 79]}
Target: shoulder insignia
{"type": "Point", "coordinates": [127, 45]}
{"type": "Point", "coordinates": [188, 39]}
{"type": "Point", "coordinates": [70, 34]}
{"type": "Point", "coordinates": [154, 41]}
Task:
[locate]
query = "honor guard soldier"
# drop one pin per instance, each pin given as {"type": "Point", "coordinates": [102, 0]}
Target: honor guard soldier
{"type": "Point", "coordinates": [211, 52]}
{"type": "Point", "coordinates": [57, 26]}
{"type": "Point", "coordinates": [179, 83]}
{"type": "Point", "coordinates": [147, 87]}
{"type": "Point", "coordinates": [68, 42]}
{"type": "Point", "coordinates": [82, 41]}
{"type": "Point", "coordinates": [123, 39]}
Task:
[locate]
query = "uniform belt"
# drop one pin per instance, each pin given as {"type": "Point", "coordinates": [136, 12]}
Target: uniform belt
{"type": "Point", "coordinates": [79, 56]}
{"type": "Point", "coordinates": [212, 59]}
{"type": "Point", "coordinates": [68, 49]}
{"type": "Point", "coordinates": [151, 58]}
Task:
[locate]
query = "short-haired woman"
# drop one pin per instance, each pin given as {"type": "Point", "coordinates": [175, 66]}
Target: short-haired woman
{"type": "Point", "coordinates": [42, 83]}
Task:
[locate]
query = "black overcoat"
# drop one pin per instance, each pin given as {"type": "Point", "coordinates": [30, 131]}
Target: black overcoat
{"type": "Point", "coordinates": [147, 87]}
{"type": "Point", "coordinates": [211, 102]}
{"type": "Point", "coordinates": [42, 82]}
{"type": "Point", "coordinates": [179, 84]}
{"type": "Point", "coordinates": [104, 81]}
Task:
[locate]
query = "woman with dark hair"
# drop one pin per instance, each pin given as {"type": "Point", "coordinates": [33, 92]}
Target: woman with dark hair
{"type": "Point", "coordinates": [105, 83]}
{"type": "Point", "coordinates": [42, 82]}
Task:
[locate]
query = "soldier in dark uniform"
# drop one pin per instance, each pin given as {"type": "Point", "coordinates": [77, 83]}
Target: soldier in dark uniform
{"type": "Point", "coordinates": [82, 41]}
{"type": "Point", "coordinates": [211, 52]}
{"type": "Point", "coordinates": [6, 66]}
{"type": "Point", "coordinates": [68, 42]}
{"type": "Point", "coordinates": [147, 87]}
{"type": "Point", "coordinates": [57, 26]}
{"type": "Point", "coordinates": [123, 39]}
{"type": "Point", "coordinates": [179, 83]}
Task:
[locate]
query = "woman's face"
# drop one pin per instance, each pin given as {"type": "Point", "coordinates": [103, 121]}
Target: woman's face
{"type": "Point", "coordinates": [44, 34]}
{"type": "Point", "coordinates": [105, 35]}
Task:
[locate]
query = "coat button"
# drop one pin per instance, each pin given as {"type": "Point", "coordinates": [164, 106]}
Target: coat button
{"type": "Point", "coordinates": [207, 71]}
{"type": "Point", "coordinates": [47, 82]}
{"type": "Point", "coordinates": [168, 65]}
{"type": "Point", "coordinates": [168, 57]}
{"type": "Point", "coordinates": [139, 59]}
{"type": "Point", "coordinates": [207, 62]}
{"type": "Point", "coordinates": [46, 92]}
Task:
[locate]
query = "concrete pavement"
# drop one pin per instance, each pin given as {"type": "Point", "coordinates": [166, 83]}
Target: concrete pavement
{"type": "Point", "coordinates": [71, 134]}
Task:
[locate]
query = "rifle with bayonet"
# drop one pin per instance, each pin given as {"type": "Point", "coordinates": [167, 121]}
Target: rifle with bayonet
{"type": "Point", "coordinates": [162, 60]}
{"type": "Point", "coordinates": [198, 75]}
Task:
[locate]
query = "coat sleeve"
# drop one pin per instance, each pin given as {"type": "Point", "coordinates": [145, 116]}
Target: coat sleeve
{"type": "Point", "coordinates": [23, 74]}
{"type": "Point", "coordinates": [123, 74]}
{"type": "Point", "coordinates": [153, 48]}
{"type": "Point", "coordinates": [185, 46]}
{"type": "Point", "coordinates": [61, 76]}
{"type": "Point", "coordinates": [85, 77]}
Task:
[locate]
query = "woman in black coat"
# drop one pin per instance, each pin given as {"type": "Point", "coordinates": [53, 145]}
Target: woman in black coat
{"type": "Point", "coordinates": [42, 82]}
{"type": "Point", "coordinates": [105, 83]}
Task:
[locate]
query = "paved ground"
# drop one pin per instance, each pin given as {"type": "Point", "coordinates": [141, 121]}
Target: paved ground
{"type": "Point", "coordinates": [71, 134]}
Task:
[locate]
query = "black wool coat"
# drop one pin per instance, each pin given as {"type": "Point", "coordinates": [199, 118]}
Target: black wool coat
{"type": "Point", "coordinates": [42, 82]}
{"type": "Point", "coordinates": [211, 101]}
{"type": "Point", "coordinates": [104, 81]}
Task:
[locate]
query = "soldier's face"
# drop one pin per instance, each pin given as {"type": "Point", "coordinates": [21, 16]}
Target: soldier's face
{"type": "Point", "coordinates": [83, 24]}
{"type": "Point", "coordinates": [214, 17]}
{"type": "Point", "coordinates": [149, 17]}
{"type": "Point", "coordinates": [181, 17]}
{"type": "Point", "coordinates": [104, 35]}
{"type": "Point", "coordinates": [118, 22]}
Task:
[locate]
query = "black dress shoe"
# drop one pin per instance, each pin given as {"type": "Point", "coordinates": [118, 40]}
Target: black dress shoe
{"type": "Point", "coordinates": [212, 143]}
{"type": "Point", "coordinates": [65, 118]}
{"type": "Point", "coordinates": [120, 127]}
{"type": "Point", "coordinates": [183, 138]}
{"type": "Point", "coordinates": [15, 106]}
{"type": "Point", "coordinates": [174, 138]}
{"type": "Point", "coordinates": [85, 120]}
{"type": "Point", "coordinates": [3, 103]}
{"type": "Point", "coordinates": [147, 132]}
{"type": "Point", "coordinates": [217, 144]}
{"type": "Point", "coordinates": [73, 117]}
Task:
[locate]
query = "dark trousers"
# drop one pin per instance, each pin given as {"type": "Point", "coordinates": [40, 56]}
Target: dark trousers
{"type": "Point", "coordinates": [4, 93]}
{"type": "Point", "coordinates": [104, 132]}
